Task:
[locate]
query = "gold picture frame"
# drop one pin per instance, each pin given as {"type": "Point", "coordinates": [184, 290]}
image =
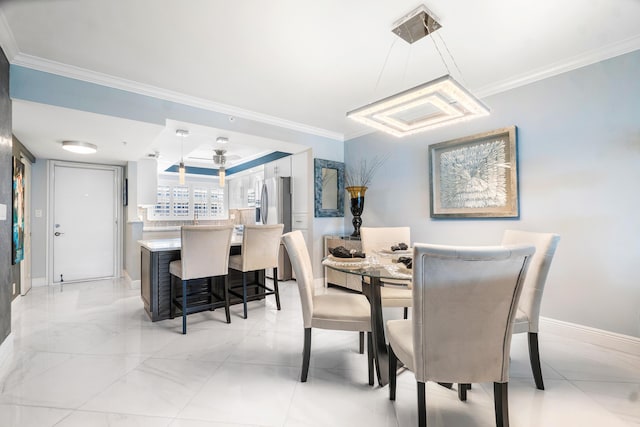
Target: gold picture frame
{"type": "Point", "coordinates": [475, 176]}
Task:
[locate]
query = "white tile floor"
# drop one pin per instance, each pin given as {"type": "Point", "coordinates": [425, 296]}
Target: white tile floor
{"type": "Point", "coordinates": [87, 355]}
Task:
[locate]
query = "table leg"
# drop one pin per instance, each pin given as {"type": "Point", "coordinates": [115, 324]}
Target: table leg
{"type": "Point", "coordinates": [381, 355]}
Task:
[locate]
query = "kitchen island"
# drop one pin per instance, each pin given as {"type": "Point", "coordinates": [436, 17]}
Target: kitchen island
{"type": "Point", "coordinates": [155, 279]}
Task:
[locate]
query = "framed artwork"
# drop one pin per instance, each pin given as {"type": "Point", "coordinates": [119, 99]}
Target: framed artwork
{"type": "Point", "coordinates": [475, 176]}
{"type": "Point", "coordinates": [328, 178]}
{"type": "Point", "coordinates": [17, 242]}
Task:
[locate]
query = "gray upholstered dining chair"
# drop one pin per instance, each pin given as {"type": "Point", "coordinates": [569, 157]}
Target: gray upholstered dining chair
{"type": "Point", "coordinates": [204, 254]}
{"type": "Point", "coordinates": [464, 303]}
{"type": "Point", "coordinates": [343, 311]}
{"type": "Point", "coordinates": [394, 293]}
{"type": "Point", "coordinates": [528, 314]}
{"type": "Point", "coordinates": [260, 248]}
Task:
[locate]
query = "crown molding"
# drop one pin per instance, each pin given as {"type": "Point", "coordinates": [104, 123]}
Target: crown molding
{"type": "Point", "coordinates": [358, 134]}
{"type": "Point", "coordinates": [15, 57]}
{"type": "Point", "coordinates": [578, 61]}
{"type": "Point", "coordinates": [7, 41]}
{"type": "Point", "coordinates": [73, 72]}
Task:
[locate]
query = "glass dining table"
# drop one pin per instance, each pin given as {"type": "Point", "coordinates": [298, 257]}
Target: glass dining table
{"type": "Point", "coordinates": [375, 268]}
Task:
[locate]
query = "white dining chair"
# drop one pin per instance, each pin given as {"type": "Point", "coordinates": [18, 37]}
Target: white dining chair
{"type": "Point", "coordinates": [394, 292]}
{"type": "Point", "coordinates": [339, 311]}
{"type": "Point", "coordinates": [528, 315]}
{"type": "Point", "coordinates": [464, 303]}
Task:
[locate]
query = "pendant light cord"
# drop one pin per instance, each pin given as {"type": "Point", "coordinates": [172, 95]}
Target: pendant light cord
{"type": "Point", "coordinates": [386, 59]}
{"type": "Point", "coordinates": [448, 53]}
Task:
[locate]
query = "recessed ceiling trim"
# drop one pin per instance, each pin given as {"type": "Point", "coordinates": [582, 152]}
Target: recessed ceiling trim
{"type": "Point", "coordinates": [196, 170]}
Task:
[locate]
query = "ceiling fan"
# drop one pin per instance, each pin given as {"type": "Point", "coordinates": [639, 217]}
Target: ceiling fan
{"type": "Point", "coordinates": [219, 159]}
{"type": "Point", "coordinates": [218, 154]}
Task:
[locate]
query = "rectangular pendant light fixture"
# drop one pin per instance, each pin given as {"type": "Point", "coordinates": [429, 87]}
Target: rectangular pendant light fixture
{"type": "Point", "coordinates": [437, 103]}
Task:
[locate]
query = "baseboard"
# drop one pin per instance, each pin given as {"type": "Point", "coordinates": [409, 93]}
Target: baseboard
{"type": "Point", "coordinates": [38, 282]}
{"type": "Point", "coordinates": [6, 350]}
{"type": "Point", "coordinates": [133, 284]}
{"type": "Point", "coordinates": [600, 337]}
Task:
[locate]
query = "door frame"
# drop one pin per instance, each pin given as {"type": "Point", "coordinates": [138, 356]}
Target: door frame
{"type": "Point", "coordinates": [25, 265]}
{"type": "Point", "coordinates": [117, 197]}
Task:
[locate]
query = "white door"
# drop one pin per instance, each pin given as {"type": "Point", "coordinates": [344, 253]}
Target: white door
{"type": "Point", "coordinates": [25, 265]}
{"type": "Point", "coordinates": [84, 233]}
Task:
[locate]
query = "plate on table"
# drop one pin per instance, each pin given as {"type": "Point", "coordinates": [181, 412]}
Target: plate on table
{"type": "Point", "coordinates": [398, 252]}
{"type": "Point", "coordinates": [344, 262]}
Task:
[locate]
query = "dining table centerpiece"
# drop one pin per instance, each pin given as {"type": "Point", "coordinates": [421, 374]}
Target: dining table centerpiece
{"type": "Point", "coordinates": [357, 179]}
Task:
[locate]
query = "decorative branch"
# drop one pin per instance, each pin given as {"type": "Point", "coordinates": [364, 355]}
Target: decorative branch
{"type": "Point", "coordinates": [362, 174]}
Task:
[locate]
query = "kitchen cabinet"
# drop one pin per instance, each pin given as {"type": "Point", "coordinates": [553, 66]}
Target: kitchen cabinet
{"type": "Point", "coordinates": [302, 182]}
{"type": "Point", "coordinates": [245, 190]}
{"type": "Point", "coordinates": [280, 167]}
{"type": "Point", "coordinates": [155, 279]}
{"type": "Point", "coordinates": [302, 195]}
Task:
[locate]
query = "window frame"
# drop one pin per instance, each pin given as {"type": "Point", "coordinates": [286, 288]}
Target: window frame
{"type": "Point", "coordinates": [216, 205]}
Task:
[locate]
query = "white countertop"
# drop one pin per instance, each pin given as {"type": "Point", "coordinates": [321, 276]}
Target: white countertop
{"type": "Point", "coordinates": [159, 245]}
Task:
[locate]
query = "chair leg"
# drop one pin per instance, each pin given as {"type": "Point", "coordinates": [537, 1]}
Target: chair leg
{"type": "Point", "coordinates": [534, 357]}
{"type": "Point", "coordinates": [422, 405]}
{"type": "Point", "coordinates": [501, 403]}
{"type": "Point", "coordinates": [172, 297]}
{"type": "Point", "coordinates": [275, 286]}
{"type": "Point", "coordinates": [227, 312]}
{"type": "Point", "coordinates": [306, 355]}
{"type": "Point", "coordinates": [370, 356]}
{"type": "Point", "coordinates": [184, 306]}
{"type": "Point", "coordinates": [393, 373]}
{"type": "Point", "coordinates": [406, 312]}
{"type": "Point", "coordinates": [244, 292]}
{"type": "Point", "coordinates": [361, 335]}
{"type": "Point", "coordinates": [462, 391]}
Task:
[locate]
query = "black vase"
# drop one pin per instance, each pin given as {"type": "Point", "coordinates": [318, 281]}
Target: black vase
{"type": "Point", "coordinates": [357, 205]}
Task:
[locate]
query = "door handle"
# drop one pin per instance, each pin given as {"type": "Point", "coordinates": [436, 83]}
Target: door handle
{"type": "Point", "coordinates": [57, 233]}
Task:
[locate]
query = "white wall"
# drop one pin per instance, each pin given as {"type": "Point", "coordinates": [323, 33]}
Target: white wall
{"type": "Point", "coordinates": [579, 171]}
{"type": "Point", "coordinates": [39, 224]}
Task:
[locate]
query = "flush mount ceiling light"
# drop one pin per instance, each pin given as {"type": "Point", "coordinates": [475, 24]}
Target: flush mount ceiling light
{"type": "Point", "coordinates": [79, 147]}
{"type": "Point", "coordinates": [437, 103]}
{"type": "Point", "coordinates": [222, 140]}
{"type": "Point", "coordinates": [182, 134]}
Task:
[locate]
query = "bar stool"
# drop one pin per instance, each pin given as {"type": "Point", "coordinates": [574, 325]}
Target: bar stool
{"type": "Point", "coordinates": [260, 247]}
{"type": "Point", "coordinates": [204, 255]}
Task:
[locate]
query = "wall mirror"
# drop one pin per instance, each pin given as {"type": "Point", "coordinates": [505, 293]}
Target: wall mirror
{"type": "Point", "coordinates": [328, 178]}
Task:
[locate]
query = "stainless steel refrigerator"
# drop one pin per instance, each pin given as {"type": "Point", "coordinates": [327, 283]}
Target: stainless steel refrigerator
{"type": "Point", "coordinates": [275, 208]}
